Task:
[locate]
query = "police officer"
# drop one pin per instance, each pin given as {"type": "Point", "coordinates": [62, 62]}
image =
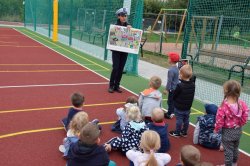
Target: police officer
{"type": "Point", "coordinates": [118, 58]}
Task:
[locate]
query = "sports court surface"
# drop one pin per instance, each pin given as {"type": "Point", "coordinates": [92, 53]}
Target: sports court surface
{"type": "Point", "coordinates": [35, 87]}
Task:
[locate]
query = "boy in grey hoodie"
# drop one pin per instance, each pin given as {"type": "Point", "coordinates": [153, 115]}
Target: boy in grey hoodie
{"type": "Point", "coordinates": [150, 98]}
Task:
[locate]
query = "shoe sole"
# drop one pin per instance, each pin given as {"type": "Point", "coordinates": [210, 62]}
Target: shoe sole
{"type": "Point", "coordinates": [61, 148]}
{"type": "Point", "coordinates": [176, 136]}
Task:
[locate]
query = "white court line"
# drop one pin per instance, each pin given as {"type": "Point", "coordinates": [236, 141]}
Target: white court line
{"type": "Point", "coordinates": [50, 85]}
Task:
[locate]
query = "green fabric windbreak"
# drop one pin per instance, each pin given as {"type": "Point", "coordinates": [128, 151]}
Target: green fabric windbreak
{"type": "Point", "coordinates": [84, 24]}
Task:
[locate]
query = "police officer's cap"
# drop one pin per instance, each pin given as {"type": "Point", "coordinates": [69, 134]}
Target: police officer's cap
{"type": "Point", "coordinates": [121, 12]}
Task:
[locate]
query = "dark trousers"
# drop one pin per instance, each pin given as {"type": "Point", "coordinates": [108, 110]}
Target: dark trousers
{"type": "Point", "coordinates": [119, 60]}
{"type": "Point", "coordinates": [230, 141]}
{"type": "Point", "coordinates": [170, 103]}
{"type": "Point", "coordinates": [182, 120]}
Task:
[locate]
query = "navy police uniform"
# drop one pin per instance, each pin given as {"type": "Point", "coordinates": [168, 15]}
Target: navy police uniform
{"type": "Point", "coordinates": [118, 58]}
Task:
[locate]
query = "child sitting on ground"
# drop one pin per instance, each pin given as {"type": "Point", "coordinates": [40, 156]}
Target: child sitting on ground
{"type": "Point", "coordinates": [119, 125]}
{"type": "Point", "coordinates": [78, 122]}
{"type": "Point", "coordinates": [204, 129]}
{"type": "Point", "coordinates": [86, 150]}
{"type": "Point", "coordinates": [183, 99]}
{"type": "Point", "coordinates": [161, 128]}
{"type": "Point", "coordinates": [131, 135]}
{"type": "Point", "coordinates": [190, 156]}
{"type": "Point", "coordinates": [150, 98]}
{"type": "Point", "coordinates": [77, 101]}
{"type": "Point", "coordinates": [150, 143]}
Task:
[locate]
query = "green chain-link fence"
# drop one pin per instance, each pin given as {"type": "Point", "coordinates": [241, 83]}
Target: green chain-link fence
{"type": "Point", "coordinates": [84, 24]}
{"type": "Point", "coordinates": [217, 38]}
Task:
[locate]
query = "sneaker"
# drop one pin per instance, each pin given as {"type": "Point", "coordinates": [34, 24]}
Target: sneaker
{"type": "Point", "coordinates": [174, 134]}
{"type": "Point", "coordinates": [168, 116]}
{"type": "Point", "coordinates": [111, 90]}
{"type": "Point", "coordinates": [183, 134]}
{"type": "Point", "coordinates": [118, 90]}
{"type": "Point", "coordinates": [62, 148]}
{"type": "Point", "coordinates": [95, 121]}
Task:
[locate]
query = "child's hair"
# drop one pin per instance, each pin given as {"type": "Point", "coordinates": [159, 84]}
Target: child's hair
{"type": "Point", "coordinates": [232, 88]}
{"type": "Point", "coordinates": [190, 155]}
{"type": "Point", "coordinates": [157, 115]}
{"type": "Point", "coordinates": [89, 134]}
{"type": "Point", "coordinates": [186, 72]}
{"type": "Point", "coordinates": [78, 122]}
{"type": "Point", "coordinates": [150, 142]}
{"type": "Point", "coordinates": [133, 113]}
{"type": "Point", "coordinates": [155, 82]}
{"type": "Point", "coordinates": [77, 100]}
{"type": "Point", "coordinates": [132, 100]}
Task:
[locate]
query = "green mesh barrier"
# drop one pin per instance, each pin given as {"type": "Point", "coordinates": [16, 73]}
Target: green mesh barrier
{"type": "Point", "coordinates": [217, 36]}
{"type": "Point", "coordinates": [38, 16]}
{"type": "Point", "coordinates": [84, 24]}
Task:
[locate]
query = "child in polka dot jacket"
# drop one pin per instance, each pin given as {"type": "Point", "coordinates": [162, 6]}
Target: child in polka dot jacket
{"type": "Point", "coordinates": [131, 135]}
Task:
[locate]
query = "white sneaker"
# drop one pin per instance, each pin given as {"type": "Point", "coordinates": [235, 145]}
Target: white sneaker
{"type": "Point", "coordinates": [171, 116]}
{"type": "Point", "coordinates": [62, 148]}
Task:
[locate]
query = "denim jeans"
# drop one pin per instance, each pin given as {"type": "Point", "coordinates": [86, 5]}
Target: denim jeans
{"type": "Point", "coordinates": [170, 103]}
{"type": "Point", "coordinates": [182, 120]}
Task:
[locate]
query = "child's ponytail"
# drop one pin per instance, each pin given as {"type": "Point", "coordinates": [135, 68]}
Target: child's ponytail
{"type": "Point", "coordinates": [152, 160]}
{"type": "Point", "coordinates": [150, 143]}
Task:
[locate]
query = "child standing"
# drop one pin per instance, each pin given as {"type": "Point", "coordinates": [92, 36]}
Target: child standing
{"type": "Point", "coordinates": [173, 79]}
{"type": "Point", "coordinates": [161, 128]}
{"type": "Point", "coordinates": [86, 150]}
{"type": "Point", "coordinates": [131, 135]}
{"type": "Point", "coordinates": [150, 98]}
{"type": "Point", "coordinates": [78, 122]}
{"type": "Point", "coordinates": [231, 116]}
{"type": "Point", "coordinates": [119, 126]}
{"type": "Point", "coordinates": [183, 99]}
{"type": "Point", "coordinates": [204, 129]}
{"type": "Point", "coordinates": [150, 143]}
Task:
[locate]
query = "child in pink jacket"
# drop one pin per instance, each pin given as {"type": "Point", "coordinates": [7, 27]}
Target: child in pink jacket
{"type": "Point", "coordinates": [230, 117]}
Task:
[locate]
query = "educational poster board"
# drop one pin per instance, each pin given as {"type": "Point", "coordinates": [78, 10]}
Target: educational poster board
{"type": "Point", "coordinates": [124, 39]}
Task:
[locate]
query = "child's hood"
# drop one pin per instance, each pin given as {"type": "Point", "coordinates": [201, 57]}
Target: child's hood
{"type": "Point", "coordinates": [153, 93]}
{"type": "Point", "coordinates": [235, 109]}
{"type": "Point", "coordinates": [137, 125]}
{"type": "Point", "coordinates": [85, 151]}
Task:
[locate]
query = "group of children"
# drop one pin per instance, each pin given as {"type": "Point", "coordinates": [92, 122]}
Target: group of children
{"type": "Point", "coordinates": [144, 134]}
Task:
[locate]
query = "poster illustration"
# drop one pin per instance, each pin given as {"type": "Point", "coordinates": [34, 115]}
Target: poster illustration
{"type": "Point", "coordinates": [124, 39]}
